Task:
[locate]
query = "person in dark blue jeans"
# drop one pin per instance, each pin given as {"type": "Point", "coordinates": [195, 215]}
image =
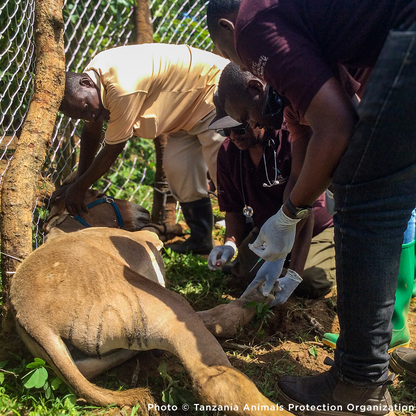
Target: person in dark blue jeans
{"type": "Point", "coordinates": [297, 46]}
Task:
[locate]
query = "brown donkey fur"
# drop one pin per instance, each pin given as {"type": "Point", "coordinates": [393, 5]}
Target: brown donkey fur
{"type": "Point", "coordinates": [86, 301]}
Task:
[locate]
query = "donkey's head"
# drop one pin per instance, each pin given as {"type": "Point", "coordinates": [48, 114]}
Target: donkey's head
{"type": "Point", "coordinates": [103, 212]}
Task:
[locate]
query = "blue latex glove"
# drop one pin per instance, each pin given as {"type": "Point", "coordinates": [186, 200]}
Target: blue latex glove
{"type": "Point", "coordinates": [220, 255]}
{"type": "Point", "coordinates": [268, 274]}
{"type": "Point", "coordinates": [288, 283]}
{"type": "Point", "coordinates": [276, 237]}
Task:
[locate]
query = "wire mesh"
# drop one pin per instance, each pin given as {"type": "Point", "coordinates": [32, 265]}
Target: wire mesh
{"type": "Point", "coordinates": [90, 27]}
{"type": "Point", "coordinates": [17, 57]}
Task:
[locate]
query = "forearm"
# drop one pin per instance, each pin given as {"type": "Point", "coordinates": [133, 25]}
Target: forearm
{"type": "Point", "coordinates": [235, 224]}
{"type": "Point", "coordinates": [90, 141]}
{"type": "Point", "coordinates": [321, 160]}
{"type": "Point", "coordinates": [332, 118]}
{"type": "Point", "coordinates": [100, 165]}
{"type": "Point", "coordinates": [302, 244]}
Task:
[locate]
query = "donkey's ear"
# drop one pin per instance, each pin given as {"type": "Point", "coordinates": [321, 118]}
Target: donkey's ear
{"type": "Point", "coordinates": [53, 233]}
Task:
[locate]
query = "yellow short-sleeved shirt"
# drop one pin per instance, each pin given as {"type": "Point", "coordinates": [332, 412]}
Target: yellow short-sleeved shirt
{"type": "Point", "coordinates": [155, 88]}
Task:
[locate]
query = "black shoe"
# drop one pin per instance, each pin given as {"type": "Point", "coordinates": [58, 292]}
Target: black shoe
{"type": "Point", "coordinates": [189, 246]}
{"type": "Point", "coordinates": [198, 215]}
{"type": "Point", "coordinates": [403, 361]}
{"type": "Point", "coordinates": [326, 394]}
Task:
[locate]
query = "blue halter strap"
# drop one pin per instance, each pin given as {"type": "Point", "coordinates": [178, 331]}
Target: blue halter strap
{"type": "Point", "coordinates": [107, 200]}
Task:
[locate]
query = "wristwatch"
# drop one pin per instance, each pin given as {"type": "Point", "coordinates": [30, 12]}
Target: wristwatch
{"type": "Point", "coordinates": [297, 212]}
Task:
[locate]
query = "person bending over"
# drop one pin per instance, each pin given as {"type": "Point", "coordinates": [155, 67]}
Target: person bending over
{"type": "Point", "coordinates": [147, 90]}
{"type": "Point", "coordinates": [253, 169]}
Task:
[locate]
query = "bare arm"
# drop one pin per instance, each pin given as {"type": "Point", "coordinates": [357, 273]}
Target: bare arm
{"type": "Point", "coordinates": [304, 228]}
{"type": "Point", "coordinates": [299, 149]}
{"type": "Point", "coordinates": [332, 118]}
{"type": "Point", "coordinates": [302, 245]}
{"type": "Point", "coordinates": [75, 195]}
{"type": "Point", "coordinates": [235, 223]}
{"type": "Point", "coordinates": [90, 141]}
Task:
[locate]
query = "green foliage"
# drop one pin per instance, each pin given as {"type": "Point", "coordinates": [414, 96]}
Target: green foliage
{"type": "Point", "coordinates": [172, 393]}
{"type": "Point", "coordinates": [181, 22]}
{"type": "Point", "coordinates": [219, 234]}
{"type": "Point", "coordinates": [135, 174]}
{"type": "Point", "coordinates": [189, 275]}
{"type": "Point", "coordinates": [263, 313]}
{"type": "Point", "coordinates": [37, 392]}
{"type": "Point", "coordinates": [39, 217]}
{"type": "Point", "coordinates": [16, 63]}
{"type": "Point", "coordinates": [403, 392]}
{"type": "Point", "coordinates": [313, 351]}
{"type": "Point", "coordinates": [95, 27]}
{"type": "Point", "coordinates": [38, 378]}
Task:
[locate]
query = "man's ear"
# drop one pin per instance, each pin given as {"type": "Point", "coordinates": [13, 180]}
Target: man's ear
{"type": "Point", "coordinates": [86, 81]}
{"type": "Point", "coordinates": [226, 25]}
{"type": "Point", "coordinates": [255, 87]}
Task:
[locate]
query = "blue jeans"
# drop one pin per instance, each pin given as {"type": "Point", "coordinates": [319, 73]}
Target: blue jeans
{"type": "Point", "coordinates": [409, 234]}
{"type": "Point", "coordinates": [375, 193]}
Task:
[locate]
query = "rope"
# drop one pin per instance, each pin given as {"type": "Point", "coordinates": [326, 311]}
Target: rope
{"type": "Point", "coordinates": [92, 204]}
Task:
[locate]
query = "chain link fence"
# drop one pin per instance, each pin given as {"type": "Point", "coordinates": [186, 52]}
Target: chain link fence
{"type": "Point", "coordinates": [90, 27]}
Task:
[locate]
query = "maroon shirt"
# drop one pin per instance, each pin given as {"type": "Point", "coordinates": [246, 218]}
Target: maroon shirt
{"type": "Point", "coordinates": [294, 45]}
{"type": "Point", "coordinates": [237, 170]}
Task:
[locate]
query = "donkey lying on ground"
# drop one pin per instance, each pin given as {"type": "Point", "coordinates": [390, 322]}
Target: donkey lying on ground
{"type": "Point", "coordinates": [223, 321]}
{"type": "Point", "coordinates": [88, 300]}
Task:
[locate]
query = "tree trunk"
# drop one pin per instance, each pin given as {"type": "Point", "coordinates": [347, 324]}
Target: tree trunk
{"type": "Point", "coordinates": [20, 182]}
{"type": "Point", "coordinates": [143, 22]}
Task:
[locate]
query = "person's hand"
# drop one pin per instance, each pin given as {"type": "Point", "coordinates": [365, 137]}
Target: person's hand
{"type": "Point", "coordinates": [288, 283]}
{"type": "Point", "coordinates": [276, 237]}
{"type": "Point", "coordinates": [75, 200]}
{"type": "Point", "coordinates": [220, 255]}
{"type": "Point", "coordinates": [268, 274]}
{"type": "Point", "coordinates": [59, 193]}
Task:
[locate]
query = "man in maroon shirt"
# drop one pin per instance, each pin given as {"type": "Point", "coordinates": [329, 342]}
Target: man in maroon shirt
{"type": "Point", "coordinates": [369, 154]}
{"type": "Point", "coordinates": [253, 169]}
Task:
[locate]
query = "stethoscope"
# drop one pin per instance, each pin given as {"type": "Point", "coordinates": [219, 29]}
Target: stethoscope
{"type": "Point", "coordinates": [278, 177]}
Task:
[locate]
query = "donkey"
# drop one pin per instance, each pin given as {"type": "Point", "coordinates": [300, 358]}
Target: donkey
{"type": "Point", "coordinates": [91, 297]}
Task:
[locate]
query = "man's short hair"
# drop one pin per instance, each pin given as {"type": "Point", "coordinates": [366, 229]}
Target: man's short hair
{"type": "Point", "coordinates": [218, 9]}
{"type": "Point", "coordinates": [233, 84]}
{"type": "Point", "coordinates": [72, 86]}
{"type": "Point", "coordinates": [72, 82]}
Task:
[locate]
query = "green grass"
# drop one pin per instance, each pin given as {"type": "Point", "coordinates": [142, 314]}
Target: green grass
{"type": "Point", "coordinates": [189, 275]}
{"type": "Point", "coordinates": [18, 397]}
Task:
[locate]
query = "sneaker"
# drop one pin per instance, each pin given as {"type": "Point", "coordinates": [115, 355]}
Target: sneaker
{"type": "Point", "coordinates": [326, 394]}
{"type": "Point", "coordinates": [403, 361]}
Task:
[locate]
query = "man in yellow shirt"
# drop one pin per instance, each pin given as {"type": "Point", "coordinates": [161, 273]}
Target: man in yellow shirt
{"type": "Point", "coordinates": [147, 90]}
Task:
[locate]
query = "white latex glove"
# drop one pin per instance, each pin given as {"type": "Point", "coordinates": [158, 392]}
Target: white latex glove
{"type": "Point", "coordinates": [220, 255]}
{"type": "Point", "coordinates": [268, 274]}
{"type": "Point", "coordinates": [287, 284]}
{"type": "Point", "coordinates": [330, 202]}
{"type": "Point", "coordinates": [276, 237]}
